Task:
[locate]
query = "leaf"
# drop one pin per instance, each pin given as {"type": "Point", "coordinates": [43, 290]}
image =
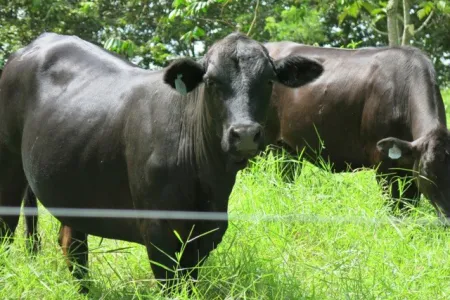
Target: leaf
{"type": "Point", "coordinates": [422, 13]}
{"type": "Point", "coordinates": [108, 44]}
{"type": "Point", "coordinates": [426, 9]}
{"type": "Point", "coordinates": [161, 266]}
{"type": "Point", "coordinates": [411, 29]}
{"type": "Point", "coordinates": [178, 3]}
{"type": "Point", "coordinates": [368, 6]}
{"type": "Point", "coordinates": [377, 11]}
{"type": "Point", "coordinates": [443, 7]}
{"type": "Point", "coordinates": [36, 3]}
{"type": "Point", "coordinates": [202, 235]}
{"type": "Point", "coordinates": [342, 17]}
{"type": "Point", "coordinates": [175, 232]}
{"type": "Point", "coordinates": [354, 9]}
{"type": "Point", "coordinates": [187, 37]}
{"type": "Point", "coordinates": [198, 32]}
{"type": "Point", "coordinates": [130, 50]}
{"type": "Point", "coordinates": [116, 44]}
{"type": "Point", "coordinates": [175, 13]}
{"type": "Point", "coordinates": [124, 46]}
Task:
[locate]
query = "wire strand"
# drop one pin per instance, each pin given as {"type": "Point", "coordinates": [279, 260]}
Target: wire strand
{"type": "Point", "coordinates": [214, 216]}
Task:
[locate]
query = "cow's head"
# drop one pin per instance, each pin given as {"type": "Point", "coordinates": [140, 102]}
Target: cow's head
{"type": "Point", "coordinates": [238, 74]}
{"type": "Point", "coordinates": [431, 157]}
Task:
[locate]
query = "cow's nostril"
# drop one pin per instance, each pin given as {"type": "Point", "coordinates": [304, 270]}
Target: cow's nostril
{"type": "Point", "coordinates": [257, 136]}
{"type": "Point", "coordinates": [234, 134]}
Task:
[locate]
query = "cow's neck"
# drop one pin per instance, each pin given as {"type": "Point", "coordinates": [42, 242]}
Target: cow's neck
{"type": "Point", "coordinates": [200, 145]}
{"type": "Point", "coordinates": [427, 111]}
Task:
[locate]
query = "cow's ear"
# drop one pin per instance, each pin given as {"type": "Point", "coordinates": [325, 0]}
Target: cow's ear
{"type": "Point", "coordinates": [184, 75]}
{"type": "Point", "coordinates": [393, 148]}
{"type": "Point", "coordinates": [295, 71]}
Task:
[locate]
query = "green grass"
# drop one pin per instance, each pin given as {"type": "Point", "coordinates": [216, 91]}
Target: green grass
{"type": "Point", "coordinates": [338, 253]}
{"type": "Point", "coordinates": [446, 96]}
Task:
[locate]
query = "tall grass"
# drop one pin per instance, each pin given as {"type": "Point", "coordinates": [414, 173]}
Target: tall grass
{"type": "Point", "coordinates": [346, 246]}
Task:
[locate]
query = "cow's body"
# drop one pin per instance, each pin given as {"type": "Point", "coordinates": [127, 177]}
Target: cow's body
{"type": "Point", "coordinates": [363, 96]}
{"type": "Point", "coordinates": [86, 129]}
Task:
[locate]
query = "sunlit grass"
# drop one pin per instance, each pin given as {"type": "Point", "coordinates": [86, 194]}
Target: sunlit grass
{"type": "Point", "coordinates": [346, 246]}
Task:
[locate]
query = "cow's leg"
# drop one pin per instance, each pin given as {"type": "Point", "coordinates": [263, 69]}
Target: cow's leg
{"type": "Point", "coordinates": [31, 221]}
{"type": "Point", "coordinates": [403, 190]}
{"type": "Point", "coordinates": [12, 187]}
{"type": "Point", "coordinates": [74, 245]}
{"type": "Point", "coordinates": [161, 244]}
{"type": "Point", "coordinates": [206, 237]}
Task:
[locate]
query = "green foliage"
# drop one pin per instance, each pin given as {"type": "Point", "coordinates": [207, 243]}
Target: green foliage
{"type": "Point", "coordinates": [216, 18]}
{"type": "Point", "coordinates": [426, 8]}
{"type": "Point", "coordinates": [126, 48]}
{"type": "Point", "coordinates": [298, 24]}
{"type": "Point", "coordinates": [22, 21]}
{"type": "Point", "coordinates": [352, 45]}
{"type": "Point", "coordinates": [151, 33]}
{"type": "Point", "coordinates": [134, 29]}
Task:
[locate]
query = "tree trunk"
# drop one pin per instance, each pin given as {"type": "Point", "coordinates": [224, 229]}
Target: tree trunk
{"type": "Point", "coordinates": [407, 26]}
{"type": "Point", "coordinates": [391, 10]}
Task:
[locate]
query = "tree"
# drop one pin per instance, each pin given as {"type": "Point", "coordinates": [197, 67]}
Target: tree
{"type": "Point", "coordinates": [151, 33]}
{"type": "Point", "coordinates": [424, 24]}
{"type": "Point", "coordinates": [22, 21]}
{"type": "Point", "coordinates": [298, 24]}
{"type": "Point", "coordinates": [399, 15]}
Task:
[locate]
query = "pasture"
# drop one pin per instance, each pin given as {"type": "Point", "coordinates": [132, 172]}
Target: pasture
{"type": "Point", "coordinates": [343, 243]}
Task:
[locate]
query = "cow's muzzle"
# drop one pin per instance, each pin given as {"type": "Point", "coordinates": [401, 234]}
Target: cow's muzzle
{"type": "Point", "coordinates": [245, 140]}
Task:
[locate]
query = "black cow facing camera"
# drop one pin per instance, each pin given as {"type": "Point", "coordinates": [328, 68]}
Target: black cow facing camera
{"type": "Point", "coordinates": [86, 129]}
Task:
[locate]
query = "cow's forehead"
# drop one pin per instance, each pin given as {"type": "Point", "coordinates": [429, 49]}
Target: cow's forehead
{"type": "Point", "coordinates": [237, 54]}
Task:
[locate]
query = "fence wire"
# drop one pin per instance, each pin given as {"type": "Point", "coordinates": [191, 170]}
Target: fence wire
{"type": "Point", "coordinates": [219, 216]}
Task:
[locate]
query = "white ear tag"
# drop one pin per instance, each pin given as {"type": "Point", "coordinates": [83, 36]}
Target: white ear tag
{"type": "Point", "coordinates": [395, 152]}
{"type": "Point", "coordinates": [180, 86]}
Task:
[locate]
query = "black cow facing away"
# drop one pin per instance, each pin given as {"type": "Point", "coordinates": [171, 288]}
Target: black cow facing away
{"type": "Point", "coordinates": [30, 202]}
{"type": "Point", "coordinates": [371, 107]}
{"type": "Point", "coordinates": [86, 129]}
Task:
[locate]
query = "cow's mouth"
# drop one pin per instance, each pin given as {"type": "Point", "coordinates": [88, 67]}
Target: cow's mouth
{"type": "Point", "coordinates": [239, 161]}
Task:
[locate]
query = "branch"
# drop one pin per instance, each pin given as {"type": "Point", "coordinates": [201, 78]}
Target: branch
{"type": "Point", "coordinates": [143, 10]}
{"type": "Point", "coordinates": [407, 34]}
{"type": "Point", "coordinates": [425, 23]}
{"type": "Point", "coordinates": [254, 18]}
{"type": "Point", "coordinates": [223, 7]}
{"type": "Point", "coordinates": [373, 26]}
{"type": "Point", "coordinates": [392, 24]}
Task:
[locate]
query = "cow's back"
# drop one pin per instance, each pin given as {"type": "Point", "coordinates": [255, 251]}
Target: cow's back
{"type": "Point", "coordinates": [64, 107]}
{"type": "Point", "coordinates": [362, 96]}
{"type": "Point", "coordinates": [54, 69]}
